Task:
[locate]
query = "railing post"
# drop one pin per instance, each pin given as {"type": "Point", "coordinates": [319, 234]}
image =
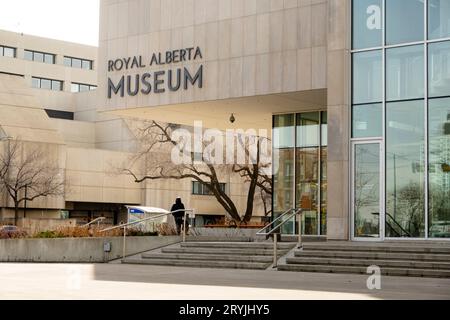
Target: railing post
{"type": "Point", "coordinates": [299, 217]}
{"type": "Point", "coordinates": [275, 250]}
{"type": "Point", "coordinates": [184, 227]}
{"type": "Point", "coordinates": [124, 240]}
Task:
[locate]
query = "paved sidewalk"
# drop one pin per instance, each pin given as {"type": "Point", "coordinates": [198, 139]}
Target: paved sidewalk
{"type": "Point", "coordinates": [113, 281]}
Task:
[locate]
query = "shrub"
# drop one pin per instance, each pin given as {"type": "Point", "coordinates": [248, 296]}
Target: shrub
{"type": "Point", "coordinates": [47, 235]}
{"type": "Point", "coordinates": [13, 235]}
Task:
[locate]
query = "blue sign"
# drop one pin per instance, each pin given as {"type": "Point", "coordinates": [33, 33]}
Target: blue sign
{"type": "Point", "coordinates": [136, 211]}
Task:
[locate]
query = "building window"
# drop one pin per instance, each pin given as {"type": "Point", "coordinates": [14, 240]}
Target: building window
{"type": "Point", "coordinates": [405, 178]}
{"type": "Point", "coordinates": [39, 57]}
{"type": "Point", "coordinates": [300, 164]}
{"type": "Point", "coordinates": [7, 52]}
{"type": "Point", "coordinates": [439, 162]}
{"type": "Point", "coordinates": [367, 24]}
{"type": "Point", "coordinates": [78, 63]}
{"type": "Point", "coordinates": [404, 21]}
{"type": "Point", "coordinates": [58, 114]}
{"type": "Point", "coordinates": [439, 69]}
{"type": "Point", "coordinates": [405, 73]}
{"type": "Point", "coordinates": [79, 87]}
{"type": "Point", "coordinates": [438, 19]}
{"type": "Point", "coordinates": [48, 84]}
{"type": "Point", "coordinates": [367, 77]}
{"type": "Point", "coordinates": [202, 190]}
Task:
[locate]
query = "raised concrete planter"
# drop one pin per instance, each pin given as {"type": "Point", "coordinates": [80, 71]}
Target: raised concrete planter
{"type": "Point", "coordinates": [77, 250]}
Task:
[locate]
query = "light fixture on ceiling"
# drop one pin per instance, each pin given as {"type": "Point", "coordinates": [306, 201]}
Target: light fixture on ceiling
{"type": "Point", "coordinates": [232, 118]}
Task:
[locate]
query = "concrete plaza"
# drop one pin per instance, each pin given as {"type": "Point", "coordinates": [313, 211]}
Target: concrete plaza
{"type": "Point", "coordinates": [115, 281]}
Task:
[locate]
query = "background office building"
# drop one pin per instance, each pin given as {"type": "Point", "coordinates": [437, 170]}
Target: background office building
{"type": "Point", "coordinates": [48, 100]}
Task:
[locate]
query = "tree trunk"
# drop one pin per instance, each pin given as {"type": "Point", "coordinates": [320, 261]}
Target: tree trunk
{"type": "Point", "coordinates": [16, 214]}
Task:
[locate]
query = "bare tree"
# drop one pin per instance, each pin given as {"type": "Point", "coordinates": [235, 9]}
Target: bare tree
{"type": "Point", "coordinates": [155, 137]}
{"type": "Point", "coordinates": [27, 174]}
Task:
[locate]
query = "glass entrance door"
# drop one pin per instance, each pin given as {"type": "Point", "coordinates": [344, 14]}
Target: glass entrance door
{"type": "Point", "coordinates": [367, 191]}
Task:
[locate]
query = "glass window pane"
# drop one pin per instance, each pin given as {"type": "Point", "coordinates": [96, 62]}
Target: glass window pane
{"type": "Point", "coordinates": [56, 85]}
{"type": "Point", "coordinates": [46, 84]}
{"type": "Point", "coordinates": [38, 57]}
{"type": "Point", "coordinates": [9, 52]}
{"type": "Point", "coordinates": [367, 77]}
{"type": "Point", "coordinates": [307, 192]}
{"type": "Point", "coordinates": [67, 62]}
{"type": "Point", "coordinates": [284, 131]}
{"type": "Point", "coordinates": [324, 129]}
{"type": "Point", "coordinates": [308, 129]}
{"type": "Point", "coordinates": [28, 55]}
{"type": "Point", "coordinates": [405, 73]}
{"type": "Point", "coordinates": [36, 83]}
{"type": "Point", "coordinates": [1, 51]}
{"type": "Point", "coordinates": [74, 87]}
{"type": "Point", "coordinates": [86, 64]}
{"type": "Point", "coordinates": [404, 21]}
{"type": "Point", "coordinates": [283, 180]}
{"type": "Point", "coordinates": [367, 121]}
{"type": "Point", "coordinates": [367, 190]}
{"type": "Point", "coordinates": [195, 188]}
{"type": "Point", "coordinates": [439, 175]}
{"type": "Point", "coordinates": [439, 69]}
{"type": "Point", "coordinates": [84, 88]}
{"type": "Point", "coordinates": [438, 19]}
{"type": "Point", "coordinates": [405, 176]}
{"type": "Point", "coordinates": [367, 23]}
{"type": "Point", "coordinates": [76, 63]}
{"type": "Point", "coordinates": [49, 58]}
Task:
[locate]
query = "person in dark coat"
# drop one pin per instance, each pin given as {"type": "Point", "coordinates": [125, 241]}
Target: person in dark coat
{"type": "Point", "coordinates": [179, 214]}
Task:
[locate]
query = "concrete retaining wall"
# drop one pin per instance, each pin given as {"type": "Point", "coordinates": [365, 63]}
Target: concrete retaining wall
{"type": "Point", "coordinates": [77, 250]}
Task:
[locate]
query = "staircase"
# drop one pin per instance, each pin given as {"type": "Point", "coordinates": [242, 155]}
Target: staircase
{"type": "Point", "coordinates": [231, 255]}
{"type": "Point", "coordinates": [394, 259]}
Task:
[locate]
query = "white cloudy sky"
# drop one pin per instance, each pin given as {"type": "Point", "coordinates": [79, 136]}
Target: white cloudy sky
{"type": "Point", "coordinates": [69, 20]}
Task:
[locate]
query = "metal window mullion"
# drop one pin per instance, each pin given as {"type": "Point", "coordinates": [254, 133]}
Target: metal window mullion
{"type": "Point", "coordinates": [383, 143]}
{"type": "Point", "coordinates": [294, 178]}
{"type": "Point", "coordinates": [426, 135]}
{"type": "Point", "coordinates": [319, 178]}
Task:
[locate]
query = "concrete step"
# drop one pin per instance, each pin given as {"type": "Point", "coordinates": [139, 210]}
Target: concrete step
{"type": "Point", "coordinates": [208, 257]}
{"type": "Point", "coordinates": [247, 252]}
{"type": "Point", "coordinates": [367, 262]}
{"type": "Point", "coordinates": [363, 270]}
{"type": "Point", "coordinates": [374, 255]}
{"type": "Point", "coordinates": [238, 245]}
{"type": "Point", "coordinates": [199, 263]}
{"type": "Point", "coordinates": [378, 248]}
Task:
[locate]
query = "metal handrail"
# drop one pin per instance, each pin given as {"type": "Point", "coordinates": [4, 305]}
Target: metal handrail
{"type": "Point", "coordinates": [261, 233]}
{"type": "Point", "coordinates": [94, 221]}
{"type": "Point", "coordinates": [395, 221]}
{"type": "Point", "coordinates": [125, 225]}
{"type": "Point", "coordinates": [275, 231]}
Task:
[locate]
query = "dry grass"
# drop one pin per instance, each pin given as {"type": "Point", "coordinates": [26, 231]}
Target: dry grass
{"type": "Point", "coordinates": [163, 229]}
{"type": "Point", "coordinates": [166, 229]}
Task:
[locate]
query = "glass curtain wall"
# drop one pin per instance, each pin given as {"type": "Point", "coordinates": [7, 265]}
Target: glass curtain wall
{"type": "Point", "coordinates": [401, 97]}
{"type": "Point", "coordinates": [300, 177]}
